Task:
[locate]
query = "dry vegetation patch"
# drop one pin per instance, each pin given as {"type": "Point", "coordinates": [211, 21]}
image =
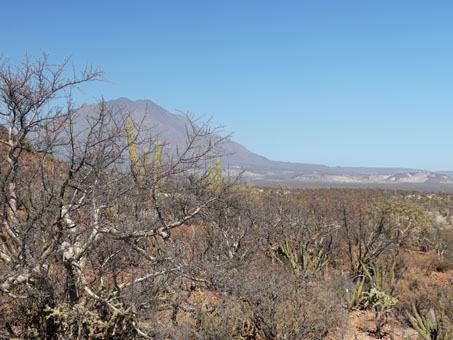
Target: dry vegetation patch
{"type": "Point", "coordinates": [101, 241]}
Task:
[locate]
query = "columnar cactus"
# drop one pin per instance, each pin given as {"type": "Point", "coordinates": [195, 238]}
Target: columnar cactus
{"type": "Point", "coordinates": [210, 175]}
{"type": "Point", "coordinates": [157, 159]}
{"type": "Point", "coordinates": [157, 166]}
{"type": "Point", "coordinates": [137, 171]}
{"type": "Point", "coordinates": [218, 172]}
{"type": "Point", "coordinates": [147, 162]}
{"type": "Point", "coordinates": [432, 326]}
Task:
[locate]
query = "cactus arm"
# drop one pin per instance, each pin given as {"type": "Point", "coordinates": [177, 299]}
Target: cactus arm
{"type": "Point", "coordinates": [147, 162]}
{"type": "Point", "coordinates": [218, 172]}
{"type": "Point", "coordinates": [210, 175]}
{"type": "Point", "coordinates": [157, 166]}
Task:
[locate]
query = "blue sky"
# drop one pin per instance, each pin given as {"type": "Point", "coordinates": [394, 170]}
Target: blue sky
{"type": "Point", "coordinates": [341, 83]}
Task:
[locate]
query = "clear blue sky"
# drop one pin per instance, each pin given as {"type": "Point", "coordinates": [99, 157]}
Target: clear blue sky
{"type": "Point", "coordinates": [349, 83]}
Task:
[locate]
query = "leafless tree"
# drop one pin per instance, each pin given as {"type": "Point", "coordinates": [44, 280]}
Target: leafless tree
{"type": "Point", "coordinates": [85, 245]}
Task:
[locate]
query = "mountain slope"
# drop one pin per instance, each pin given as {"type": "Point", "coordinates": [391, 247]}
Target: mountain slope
{"type": "Point", "coordinates": [171, 129]}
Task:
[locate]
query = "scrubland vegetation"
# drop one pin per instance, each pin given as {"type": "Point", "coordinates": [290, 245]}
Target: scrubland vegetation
{"type": "Point", "coordinates": [104, 235]}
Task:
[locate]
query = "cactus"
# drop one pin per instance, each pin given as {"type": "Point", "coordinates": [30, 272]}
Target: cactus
{"type": "Point", "coordinates": [137, 171]}
{"type": "Point", "coordinates": [380, 297]}
{"type": "Point", "coordinates": [146, 162]}
{"type": "Point", "coordinates": [302, 260]}
{"type": "Point", "coordinates": [157, 167]}
{"type": "Point", "coordinates": [72, 322]}
{"type": "Point", "coordinates": [213, 180]}
{"type": "Point", "coordinates": [382, 304]}
{"type": "Point", "coordinates": [380, 278]}
{"type": "Point", "coordinates": [210, 175]}
{"type": "Point", "coordinates": [432, 326]}
{"type": "Point", "coordinates": [352, 301]}
{"type": "Point", "coordinates": [218, 172]}
{"type": "Point", "coordinates": [245, 330]}
{"type": "Point", "coordinates": [157, 158]}
{"type": "Point", "coordinates": [290, 255]}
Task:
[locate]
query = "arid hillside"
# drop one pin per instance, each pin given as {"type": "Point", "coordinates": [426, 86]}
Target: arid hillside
{"type": "Point", "coordinates": [107, 234]}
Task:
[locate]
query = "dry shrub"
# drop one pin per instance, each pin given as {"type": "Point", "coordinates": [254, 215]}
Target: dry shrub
{"type": "Point", "coordinates": [227, 321]}
{"type": "Point", "coordinates": [312, 313]}
{"type": "Point", "coordinates": [284, 305]}
{"type": "Point", "coordinates": [446, 301]}
{"type": "Point", "coordinates": [441, 265]}
{"type": "Point", "coordinates": [415, 289]}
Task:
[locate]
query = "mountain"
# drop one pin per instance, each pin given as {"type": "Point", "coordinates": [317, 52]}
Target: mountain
{"type": "Point", "coordinates": [171, 129]}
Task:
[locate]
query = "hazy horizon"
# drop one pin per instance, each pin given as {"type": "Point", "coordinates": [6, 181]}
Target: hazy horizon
{"type": "Point", "coordinates": [351, 84]}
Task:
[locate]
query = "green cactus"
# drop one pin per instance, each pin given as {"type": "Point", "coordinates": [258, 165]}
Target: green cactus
{"type": "Point", "coordinates": [157, 158]}
{"type": "Point", "coordinates": [382, 279]}
{"type": "Point", "coordinates": [433, 326]}
{"type": "Point", "coordinates": [290, 255]}
{"type": "Point", "coordinates": [94, 323]}
{"type": "Point", "coordinates": [245, 330]}
{"type": "Point", "coordinates": [210, 175]}
{"type": "Point", "coordinates": [382, 304]}
{"type": "Point", "coordinates": [139, 172]}
{"type": "Point", "coordinates": [146, 162]}
{"type": "Point", "coordinates": [218, 172]}
{"type": "Point", "coordinates": [354, 300]}
{"type": "Point", "coordinates": [157, 167]}
{"type": "Point", "coordinates": [302, 260]}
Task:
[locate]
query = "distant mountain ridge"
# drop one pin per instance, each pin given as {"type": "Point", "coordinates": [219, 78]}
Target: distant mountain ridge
{"type": "Point", "coordinates": [171, 129]}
